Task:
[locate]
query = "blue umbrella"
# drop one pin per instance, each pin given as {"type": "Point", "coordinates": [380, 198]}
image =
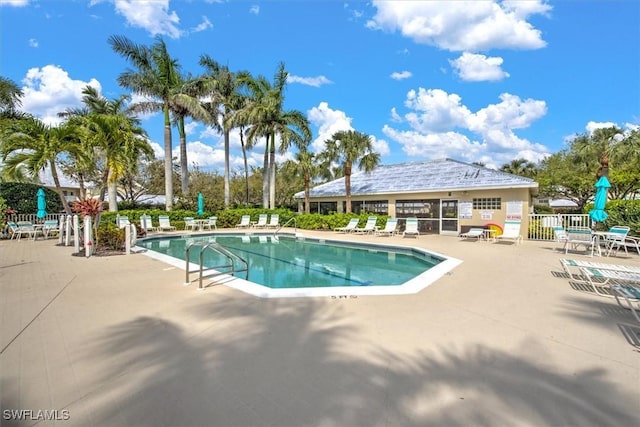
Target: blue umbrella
{"type": "Point", "coordinates": [200, 204]}
{"type": "Point", "coordinates": [42, 204]}
{"type": "Point", "coordinates": [597, 214]}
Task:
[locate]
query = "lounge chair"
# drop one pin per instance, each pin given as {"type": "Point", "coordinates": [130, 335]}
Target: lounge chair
{"type": "Point", "coordinates": [262, 221]}
{"type": "Point", "coordinates": [473, 233]}
{"type": "Point", "coordinates": [146, 224]}
{"type": "Point", "coordinates": [190, 223]}
{"type": "Point", "coordinates": [581, 236]}
{"type": "Point", "coordinates": [572, 268]}
{"type": "Point", "coordinates": [616, 238]}
{"type": "Point", "coordinates": [17, 230]}
{"type": "Point", "coordinates": [511, 231]}
{"type": "Point", "coordinates": [353, 223]}
{"type": "Point", "coordinates": [599, 278]}
{"type": "Point", "coordinates": [50, 227]}
{"type": "Point", "coordinates": [245, 222]}
{"type": "Point", "coordinates": [122, 221]}
{"type": "Point", "coordinates": [369, 227]}
{"type": "Point", "coordinates": [212, 222]}
{"type": "Point", "coordinates": [411, 228]}
{"type": "Point", "coordinates": [274, 221]}
{"type": "Point", "coordinates": [27, 228]}
{"type": "Point", "coordinates": [164, 223]}
{"type": "Point", "coordinates": [389, 228]}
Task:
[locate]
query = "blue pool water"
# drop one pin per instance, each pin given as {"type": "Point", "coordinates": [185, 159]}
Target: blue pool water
{"type": "Point", "coordinates": [290, 262]}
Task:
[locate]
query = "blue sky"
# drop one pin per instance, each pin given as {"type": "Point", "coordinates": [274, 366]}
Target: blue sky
{"type": "Point", "coordinates": [485, 81]}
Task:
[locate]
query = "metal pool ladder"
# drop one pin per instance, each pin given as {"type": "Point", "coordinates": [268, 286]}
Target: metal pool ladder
{"type": "Point", "coordinates": [226, 253]}
{"type": "Point", "coordinates": [295, 224]}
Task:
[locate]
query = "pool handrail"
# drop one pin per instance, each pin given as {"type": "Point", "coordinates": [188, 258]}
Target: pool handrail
{"type": "Point", "coordinates": [295, 225]}
{"type": "Point", "coordinates": [229, 255]}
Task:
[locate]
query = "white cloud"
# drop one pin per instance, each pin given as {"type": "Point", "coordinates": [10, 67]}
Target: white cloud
{"type": "Point", "coordinates": [440, 125]}
{"type": "Point", "coordinates": [328, 121]}
{"type": "Point", "coordinates": [15, 3]}
{"type": "Point", "coordinates": [255, 9]}
{"type": "Point", "coordinates": [401, 75]}
{"type": "Point", "coordinates": [33, 43]}
{"type": "Point", "coordinates": [190, 127]}
{"type": "Point", "coordinates": [158, 150]}
{"type": "Point", "coordinates": [309, 81]}
{"type": "Point", "coordinates": [593, 126]}
{"type": "Point", "coordinates": [49, 90]}
{"type": "Point", "coordinates": [205, 24]}
{"type": "Point", "coordinates": [462, 26]}
{"type": "Point", "coordinates": [153, 16]}
{"type": "Point", "coordinates": [476, 68]}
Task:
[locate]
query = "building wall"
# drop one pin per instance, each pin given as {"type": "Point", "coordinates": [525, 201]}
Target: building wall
{"type": "Point", "coordinates": [487, 210]}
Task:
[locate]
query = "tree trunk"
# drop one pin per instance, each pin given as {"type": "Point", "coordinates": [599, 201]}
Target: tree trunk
{"type": "Point", "coordinates": [307, 194]}
{"type": "Point", "coordinates": [184, 165]}
{"type": "Point", "coordinates": [246, 166]}
{"type": "Point", "coordinates": [272, 173]}
{"type": "Point", "coordinates": [168, 161]}
{"type": "Point", "coordinates": [265, 176]}
{"type": "Point", "coordinates": [56, 181]}
{"type": "Point", "coordinates": [226, 168]}
{"type": "Point", "coordinates": [347, 185]}
{"type": "Point", "coordinates": [113, 192]}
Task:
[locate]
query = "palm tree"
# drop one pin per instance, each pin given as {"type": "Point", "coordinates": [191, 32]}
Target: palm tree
{"type": "Point", "coordinates": [520, 167]}
{"type": "Point", "coordinates": [222, 86]}
{"type": "Point", "coordinates": [349, 148]}
{"type": "Point", "coordinates": [156, 76]}
{"type": "Point", "coordinates": [112, 134]}
{"type": "Point", "coordinates": [268, 119]}
{"type": "Point", "coordinates": [307, 168]}
{"type": "Point", "coordinates": [38, 146]}
{"type": "Point", "coordinates": [10, 96]}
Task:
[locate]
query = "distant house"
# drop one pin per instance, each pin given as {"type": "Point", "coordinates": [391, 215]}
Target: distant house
{"type": "Point", "coordinates": [446, 195]}
{"type": "Point", "coordinates": [70, 188]}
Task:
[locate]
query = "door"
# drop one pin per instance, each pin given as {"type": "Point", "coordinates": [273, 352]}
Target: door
{"type": "Point", "coordinates": [449, 217]}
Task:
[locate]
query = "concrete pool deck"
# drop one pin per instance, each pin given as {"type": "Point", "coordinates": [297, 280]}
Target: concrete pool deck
{"type": "Point", "coordinates": [504, 339]}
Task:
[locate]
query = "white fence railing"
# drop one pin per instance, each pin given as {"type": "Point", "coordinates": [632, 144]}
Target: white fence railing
{"type": "Point", "coordinates": [541, 226]}
{"type": "Point", "coordinates": [33, 218]}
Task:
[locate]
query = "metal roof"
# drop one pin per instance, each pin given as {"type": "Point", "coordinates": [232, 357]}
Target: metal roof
{"type": "Point", "coordinates": [413, 177]}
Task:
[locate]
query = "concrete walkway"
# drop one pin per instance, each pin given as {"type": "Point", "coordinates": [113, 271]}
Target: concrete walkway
{"type": "Point", "coordinates": [504, 339]}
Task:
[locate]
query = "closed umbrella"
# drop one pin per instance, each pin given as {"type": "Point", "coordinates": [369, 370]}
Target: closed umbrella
{"type": "Point", "coordinates": [597, 214]}
{"type": "Point", "coordinates": [42, 204]}
{"type": "Point", "coordinates": [200, 204]}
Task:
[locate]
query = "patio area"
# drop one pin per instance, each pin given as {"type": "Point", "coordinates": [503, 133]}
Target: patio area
{"type": "Point", "coordinates": [504, 339]}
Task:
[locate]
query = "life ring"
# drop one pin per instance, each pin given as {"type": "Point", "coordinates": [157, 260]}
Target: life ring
{"type": "Point", "coordinates": [494, 226]}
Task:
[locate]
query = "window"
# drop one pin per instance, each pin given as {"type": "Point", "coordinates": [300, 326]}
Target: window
{"type": "Point", "coordinates": [371, 206]}
{"type": "Point", "coordinates": [324, 208]}
{"type": "Point", "coordinates": [418, 208]}
{"type": "Point", "coordinates": [492, 203]}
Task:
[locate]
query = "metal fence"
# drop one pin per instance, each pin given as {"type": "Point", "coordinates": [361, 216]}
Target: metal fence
{"type": "Point", "coordinates": [541, 226]}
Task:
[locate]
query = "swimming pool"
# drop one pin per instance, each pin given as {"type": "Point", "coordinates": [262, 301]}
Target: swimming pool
{"type": "Point", "coordinates": [290, 265]}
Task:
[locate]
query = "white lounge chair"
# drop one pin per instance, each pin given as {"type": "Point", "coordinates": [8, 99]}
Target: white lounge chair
{"type": "Point", "coordinates": [572, 268]}
{"type": "Point", "coordinates": [616, 238]}
{"type": "Point", "coordinates": [50, 227]}
{"type": "Point", "coordinates": [473, 233]}
{"type": "Point", "coordinates": [274, 221]}
{"type": "Point", "coordinates": [511, 231]}
{"type": "Point", "coordinates": [411, 228]}
{"type": "Point", "coordinates": [369, 227]}
{"type": "Point", "coordinates": [190, 223]}
{"type": "Point", "coordinates": [389, 228]}
{"type": "Point", "coordinates": [164, 223]}
{"type": "Point", "coordinates": [245, 222]}
{"type": "Point", "coordinates": [122, 221]}
{"type": "Point", "coordinates": [353, 223]}
{"type": "Point", "coordinates": [631, 295]}
{"type": "Point", "coordinates": [212, 222]}
{"type": "Point", "coordinates": [599, 278]}
{"type": "Point", "coordinates": [262, 221]}
{"type": "Point", "coordinates": [146, 224]}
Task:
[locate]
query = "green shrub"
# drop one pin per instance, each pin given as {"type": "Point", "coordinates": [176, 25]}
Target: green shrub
{"type": "Point", "coordinates": [22, 197]}
{"type": "Point", "coordinates": [109, 236]}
